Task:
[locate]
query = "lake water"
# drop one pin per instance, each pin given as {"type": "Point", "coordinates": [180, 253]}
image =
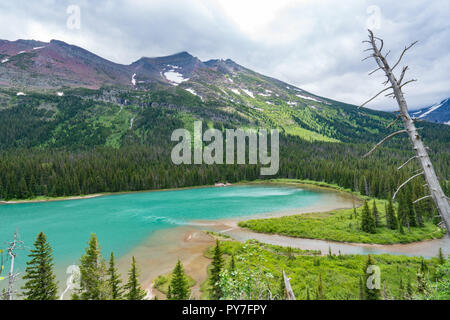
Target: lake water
{"type": "Point", "coordinates": [123, 221]}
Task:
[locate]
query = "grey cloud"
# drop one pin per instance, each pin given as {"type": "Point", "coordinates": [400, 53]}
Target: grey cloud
{"type": "Point", "coordinates": [315, 45]}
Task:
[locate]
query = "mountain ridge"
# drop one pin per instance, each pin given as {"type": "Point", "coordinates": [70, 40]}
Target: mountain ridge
{"type": "Point", "coordinates": [56, 81]}
{"type": "Point", "coordinates": [437, 112]}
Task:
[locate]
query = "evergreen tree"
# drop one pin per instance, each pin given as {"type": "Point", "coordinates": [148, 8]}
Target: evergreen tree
{"type": "Point", "coordinates": [40, 280]}
{"type": "Point", "coordinates": [374, 293]}
{"type": "Point", "coordinates": [402, 210]}
{"type": "Point", "coordinates": [411, 212]}
{"type": "Point", "coordinates": [281, 292]}
{"type": "Point", "coordinates": [401, 289]}
{"type": "Point", "coordinates": [391, 219]}
{"type": "Point", "coordinates": [409, 290]}
{"type": "Point", "coordinates": [367, 219]}
{"type": "Point", "coordinates": [93, 285]}
{"type": "Point", "coordinates": [441, 259]}
{"type": "Point", "coordinates": [376, 214]}
{"type": "Point", "coordinates": [422, 286]}
{"type": "Point", "coordinates": [134, 290]}
{"type": "Point", "coordinates": [307, 294]}
{"type": "Point", "coordinates": [361, 289]}
{"type": "Point", "coordinates": [179, 289]}
{"type": "Point", "coordinates": [114, 281]}
{"type": "Point", "coordinates": [232, 266]}
{"type": "Point", "coordinates": [214, 281]}
{"type": "Point", "coordinates": [320, 295]}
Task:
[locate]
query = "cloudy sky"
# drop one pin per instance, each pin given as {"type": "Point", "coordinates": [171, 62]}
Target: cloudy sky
{"type": "Point", "coordinates": [313, 44]}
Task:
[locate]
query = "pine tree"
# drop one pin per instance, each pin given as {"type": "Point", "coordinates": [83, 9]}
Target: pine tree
{"type": "Point", "coordinates": [214, 281]}
{"type": "Point", "coordinates": [361, 289]}
{"type": "Point", "coordinates": [178, 285]}
{"type": "Point", "coordinates": [441, 259]}
{"type": "Point", "coordinates": [374, 293]}
{"type": "Point", "coordinates": [40, 280]}
{"type": "Point", "coordinates": [401, 289]}
{"type": "Point", "coordinates": [411, 212]}
{"type": "Point", "coordinates": [391, 219]}
{"type": "Point", "coordinates": [320, 295]}
{"type": "Point", "coordinates": [232, 266]}
{"type": "Point", "coordinates": [281, 292]}
{"type": "Point", "coordinates": [422, 286]}
{"type": "Point", "coordinates": [93, 285]}
{"type": "Point", "coordinates": [114, 281]}
{"type": "Point", "coordinates": [409, 290]}
{"type": "Point", "coordinates": [134, 290]}
{"type": "Point", "coordinates": [367, 220]}
{"type": "Point", "coordinates": [402, 210]}
{"type": "Point", "coordinates": [376, 214]}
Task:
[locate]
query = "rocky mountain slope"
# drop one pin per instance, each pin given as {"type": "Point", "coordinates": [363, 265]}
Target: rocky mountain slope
{"type": "Point", "coordinates": [437, 113]}
{"type": "Point", "coordinates": [65, 93]}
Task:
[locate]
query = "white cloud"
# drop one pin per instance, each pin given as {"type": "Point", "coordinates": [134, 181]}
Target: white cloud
{"type": "Point", "coordinates": [315, 45]}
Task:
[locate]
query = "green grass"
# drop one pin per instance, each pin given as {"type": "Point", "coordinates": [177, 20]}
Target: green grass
{"type": "Point", "coordinates": [340, 274]}
{"type": "Point", "coordinates": [298, 182]}
{"type": "Point", "coordinates": [341, 225]}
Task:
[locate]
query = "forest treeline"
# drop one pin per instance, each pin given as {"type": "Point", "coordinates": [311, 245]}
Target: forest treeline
{"type": "Point", "coordinates": [29, 173]}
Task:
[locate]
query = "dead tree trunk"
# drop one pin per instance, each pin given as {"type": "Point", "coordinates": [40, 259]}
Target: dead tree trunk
{"type": "Point", "coordinates": [436, 193]}
{"type": "Point", "coordinates": [287, 285]}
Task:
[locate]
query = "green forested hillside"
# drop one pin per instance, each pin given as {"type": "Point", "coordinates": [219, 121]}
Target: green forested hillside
{"type": "Point", "coordinates": [110, 140]}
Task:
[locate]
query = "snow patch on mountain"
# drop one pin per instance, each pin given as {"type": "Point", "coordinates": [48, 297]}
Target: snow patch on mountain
{"type": "Point", "coordinates": [236, 91]}
{"type": "Point", "coordinates": [249, 93]}
{"type": "Point", "coordinates": [432, 108]}
{"type": "Point", "coordinates": [175, 77]}
{"type": "Point", "coordinates": [308, 98]}
{"type": "Point", "coordinates": [5, 60]}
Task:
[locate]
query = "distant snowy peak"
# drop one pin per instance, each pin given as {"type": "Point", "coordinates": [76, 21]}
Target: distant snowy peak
{"type": "Point", "coordinates": [438, 112]}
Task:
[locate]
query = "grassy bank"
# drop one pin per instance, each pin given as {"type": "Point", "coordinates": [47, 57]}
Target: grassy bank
{"type": "Point", "coordinates": [341, 225]}
{"type": "Point", "coordinates": [340, 274]}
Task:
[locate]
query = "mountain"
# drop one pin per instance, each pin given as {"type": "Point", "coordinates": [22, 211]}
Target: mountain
{"type": "Point", "coordinates": [438, 112]}
{"type": "Point", "coordinates": [57, 94]}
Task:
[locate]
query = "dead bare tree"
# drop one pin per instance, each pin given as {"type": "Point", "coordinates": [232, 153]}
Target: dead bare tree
{"type": "Point", "coordinates": [287, 285]}
{"type": "Point", "coordinates": [436, 193]}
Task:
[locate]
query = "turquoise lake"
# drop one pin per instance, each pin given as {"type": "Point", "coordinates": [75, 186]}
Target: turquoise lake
{"type": "Point", "coordinates": [123, 221]}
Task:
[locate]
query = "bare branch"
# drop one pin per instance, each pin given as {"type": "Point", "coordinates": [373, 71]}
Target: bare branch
{"type": "Point", "coordinates": [402, 75]}
{"type": "Point", "coordinates": [381, 41]}
{"type": "Point", "coordinates": [409, 81]}
{"type": "Point", "coordinates": [423, 198]}
{"type": "Point", "coordinates": [407, 161]}
{"type": "Point", "coordinates": [383, 141]}
{"type": "Point", "coordinates": [393, 122]}
{"type": "Point", "coordinates": [385, 89]}
{"type": "Point", "coordinates": [404, 183]}
{"type": "Point", "coordinates": [372, 72]}
{"type": "Point", "coordinates": [403, 52]}
{"type": "Point", "coordinates": [371, 56]}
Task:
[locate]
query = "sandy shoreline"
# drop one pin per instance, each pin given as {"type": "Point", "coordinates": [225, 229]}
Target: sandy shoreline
{"type": "Point", "coordinates": [102, 194]}
{"type": "Point", "coordinates": [298, 184]}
